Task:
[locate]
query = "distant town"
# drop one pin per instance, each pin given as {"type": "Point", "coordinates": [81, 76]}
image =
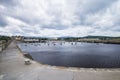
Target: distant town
{"type": "Point", "coordinates": [91, 39]}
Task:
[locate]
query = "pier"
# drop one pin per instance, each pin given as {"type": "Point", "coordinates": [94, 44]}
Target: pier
{"type": "Point", "coordinates": [12, 67]}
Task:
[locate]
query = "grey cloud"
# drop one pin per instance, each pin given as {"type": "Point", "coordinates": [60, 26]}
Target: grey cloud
{"type": "Point", "coordinates": [93, 7]}
{"type": "Point", "coordinates": [96, 5]}
{"type": "Point", "coordinates": [118, 30]}
{"type": "Point", "coordinates": [3, 22]}
{"type": "Point", "coordinates": [56, 27]}
{"type": "Point", "coordinates": [88, 5]}
{"type": "Point", "coordinates": [28, 21]}
{"type": "Point", "coordinates": [8, 2]}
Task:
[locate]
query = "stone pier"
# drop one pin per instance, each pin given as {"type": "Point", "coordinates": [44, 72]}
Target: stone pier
{"type": "Point", "coordinates": [12, 67]}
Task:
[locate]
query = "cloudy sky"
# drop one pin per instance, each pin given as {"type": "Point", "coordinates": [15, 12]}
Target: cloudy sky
{"type": "Point", "coordinates": [53, 18]}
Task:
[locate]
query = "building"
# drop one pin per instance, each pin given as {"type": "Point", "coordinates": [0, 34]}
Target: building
{"type": "Point", "coordinates": [31, 40]}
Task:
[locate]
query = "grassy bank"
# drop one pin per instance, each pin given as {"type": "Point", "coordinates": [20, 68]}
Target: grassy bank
{"type": "Point", "coordinates": [109, 41]}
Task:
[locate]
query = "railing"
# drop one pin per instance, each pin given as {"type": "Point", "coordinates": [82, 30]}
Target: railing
{"type": "Point", "coordinates": [4, 44]}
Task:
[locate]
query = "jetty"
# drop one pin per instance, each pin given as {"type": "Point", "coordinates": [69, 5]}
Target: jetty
{"type": "Point", "coordinates": [12, 67]}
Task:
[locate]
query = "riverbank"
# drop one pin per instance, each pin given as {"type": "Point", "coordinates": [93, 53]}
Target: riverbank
{"type": "Point", "coordinates": [12, 67]}
{"type": "Point", "coordinates": [100, 41]}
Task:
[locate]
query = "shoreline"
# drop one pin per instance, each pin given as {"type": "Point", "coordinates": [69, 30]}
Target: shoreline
{"type": "Point", "coordinates": [27, 55]}
{"type": "Point", "coordinates": [102, 42]}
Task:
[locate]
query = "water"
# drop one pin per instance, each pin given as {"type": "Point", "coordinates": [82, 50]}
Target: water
{"type": "Point", "coordinates": [87, 55]}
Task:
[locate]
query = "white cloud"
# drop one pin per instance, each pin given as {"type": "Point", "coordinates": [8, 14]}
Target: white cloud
{"type": "Point", "coordinates": [60, 17]}
{"type": "Point", "coordinates": [2, 7]}
{"type": "Point", "coordinates": [107, 17]}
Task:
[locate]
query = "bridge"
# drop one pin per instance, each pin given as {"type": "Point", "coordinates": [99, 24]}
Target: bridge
{"type": "Point", "coordinates": [12, 67]}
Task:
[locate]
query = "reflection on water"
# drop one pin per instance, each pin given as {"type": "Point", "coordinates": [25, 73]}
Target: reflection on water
{"type": "Point", "coordinates": [89, 55]}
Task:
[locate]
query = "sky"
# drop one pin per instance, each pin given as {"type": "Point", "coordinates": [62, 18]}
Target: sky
{"type": "Point", "coordinates": [57, 18]}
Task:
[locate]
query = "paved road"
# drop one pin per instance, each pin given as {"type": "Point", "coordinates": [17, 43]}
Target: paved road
{"type": "Point", "coordinates": [12, 67]}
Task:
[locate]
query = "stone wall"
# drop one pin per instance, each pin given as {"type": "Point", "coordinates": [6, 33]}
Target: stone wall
{"type": "Point", "coordinates": [4, 44]}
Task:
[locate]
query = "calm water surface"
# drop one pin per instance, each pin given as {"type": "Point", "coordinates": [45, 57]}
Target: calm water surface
{"type": "Point", "coordinates": [87, 55]}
